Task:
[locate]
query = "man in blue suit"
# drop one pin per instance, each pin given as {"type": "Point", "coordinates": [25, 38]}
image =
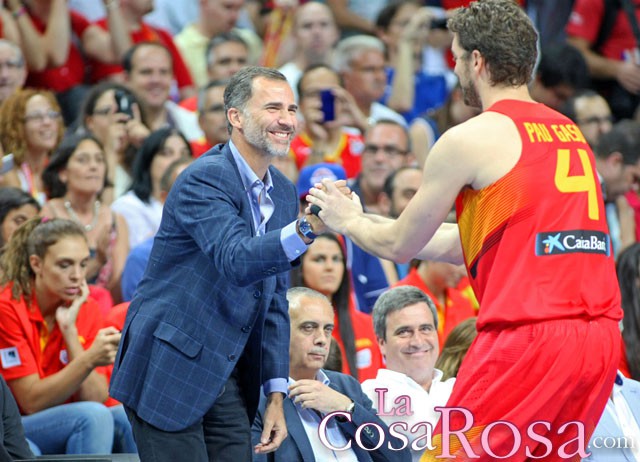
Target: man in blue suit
{"type": "Point", "coordinates": [315, 393]}
{"type": "Point", "coordinates": [617, 435]}
{"type": "Point", "coordinates": [209, 325]}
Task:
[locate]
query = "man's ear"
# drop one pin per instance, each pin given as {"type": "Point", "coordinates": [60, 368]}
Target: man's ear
{"type": "Point", "coordinates": [234, 116]}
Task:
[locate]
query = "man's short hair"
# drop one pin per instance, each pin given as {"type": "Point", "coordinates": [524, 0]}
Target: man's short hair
{"type": "Point", "coordinates": [351, 48]}
{"type": "Point", "coordinates": [624, 137]}
{"type": "Point", "coordinates": [127, 59]}
{"type": "Point", "coordinates": [405, 130]}
{"type": "Point", "coordinates": [569, 107]}
{"type": "Point", "coordinates": [220, 39]}
{"type": "Point", "coordinates": [389, 183]}
{"type": "Point", "coordinates": [312, 68]}
{"type": "Point", "coordinates": [563, 64]}
{"type": "Point", "coordinates": [240, 87]}
{"type": "Point", "coordinates": [397, 299]}
{"type": "Point", "coordinates": [294, 294]}
{"type": "Point", "coordinates": [503, 34]}
{"type": "Point", "coordinates": [202, 93]}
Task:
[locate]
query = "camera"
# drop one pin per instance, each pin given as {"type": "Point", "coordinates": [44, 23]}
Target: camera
{"type": "Point", "coordinates": [438, 23]}
{"type": "Point", "coordinates": [124, 103]}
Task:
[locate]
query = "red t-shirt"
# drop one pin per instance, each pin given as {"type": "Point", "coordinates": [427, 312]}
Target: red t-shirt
{"type": "Point", "coordinates": [585, 22]}
{"type": "Point", "coordinates": [146, 33]}
{"type": "Point", "coordinates": [457, 307]}
{"type": "Point", "coordinates": [348, 154]}
{"type": "Point", "coordinates": [536, 242]}
{"type": "Point", "coordinates": [70, 73]}
{"type": "Point", "coordinates": [368, 356]}
{"type": "Point", "coordinates": [25, 346]}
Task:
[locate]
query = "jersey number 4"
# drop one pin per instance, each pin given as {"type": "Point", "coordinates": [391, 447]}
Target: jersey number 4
{"type": "Point", "coordinates": [578, 183]}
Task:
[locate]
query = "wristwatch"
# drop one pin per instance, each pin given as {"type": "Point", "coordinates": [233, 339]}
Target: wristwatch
{"type": "Point", "coordinates": [306, 229]}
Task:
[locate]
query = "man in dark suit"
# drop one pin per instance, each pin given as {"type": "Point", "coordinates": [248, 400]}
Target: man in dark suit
{"type": "Point", "coordinates": [315, 393]}
{"type": "Point", "coordinates": [208, 325]}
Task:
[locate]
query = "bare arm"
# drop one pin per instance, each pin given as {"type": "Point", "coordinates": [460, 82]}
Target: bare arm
{"type": "Point", "coordinates": [108, 46]}
{"type": "Point", "coordinates": [30, 39]}
{"type": "Point", "coordinates": [119, 256]}
{"type": "Point", "coordinates": [347, 19]}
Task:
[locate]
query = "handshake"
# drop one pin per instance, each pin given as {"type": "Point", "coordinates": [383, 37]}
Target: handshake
{"type": "Point", "coordinates": [329, 203]}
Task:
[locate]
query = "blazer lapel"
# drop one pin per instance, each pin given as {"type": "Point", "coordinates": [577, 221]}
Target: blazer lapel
{"type": "Point", "coordinates": [296, 431]}
{"type": "Point", "coordinates": [245, 210]}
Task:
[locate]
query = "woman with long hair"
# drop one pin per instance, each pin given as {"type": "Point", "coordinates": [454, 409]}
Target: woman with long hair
{"type": "Point", "coordinates": [323, 268]}
{"type": "Point", "coordinates": [53, 347]}
{"type": "Point", "coordinates": [141, 207]}
{"type": "Point", "coordinates": [30, 128]}
{"type": "Point", "coordinates": [111, 113]}
{"type": "Point", "coordinates": [628, 268]}
{"type": "Point", "coordinates": [74, 180]}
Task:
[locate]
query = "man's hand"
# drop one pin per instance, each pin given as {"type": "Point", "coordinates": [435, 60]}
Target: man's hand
{"type": "Point", "coordinates": [313, 394]}
{"type": "Point", "coordinates": [274, 426]}
{"type": "Point", "coordinates": [337, 206]}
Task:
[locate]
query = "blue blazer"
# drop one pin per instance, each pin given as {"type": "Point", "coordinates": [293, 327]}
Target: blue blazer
{"type": "Point", "coordinates": [213, 294]}
{"type": "Point", "coordinates": [296, 447]}
{"type": "Point", "coordinates": [608, 428]}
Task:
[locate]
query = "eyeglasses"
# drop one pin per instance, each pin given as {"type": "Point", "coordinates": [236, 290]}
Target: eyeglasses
{"type": "Point", "coordinates": [41, 116]}
{"type": "Point", "coordinates": [103, 111]}
{"type": "Point", "coordinates": [390, 151]}
{"type": "Point", "coordinates": [596, 120]}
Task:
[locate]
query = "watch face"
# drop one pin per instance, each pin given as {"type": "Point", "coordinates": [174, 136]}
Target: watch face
{"type": "Point", "coordinates": [305, 227]}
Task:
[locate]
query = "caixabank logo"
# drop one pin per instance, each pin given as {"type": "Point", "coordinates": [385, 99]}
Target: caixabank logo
{"type": "Point", "coordinates": [576, 241]}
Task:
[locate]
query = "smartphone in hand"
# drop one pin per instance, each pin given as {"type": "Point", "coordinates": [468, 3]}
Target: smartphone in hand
{"type": "Point", "coordinates": [124, 103]}
{"type": "Point", "coordinates": [328, 100]}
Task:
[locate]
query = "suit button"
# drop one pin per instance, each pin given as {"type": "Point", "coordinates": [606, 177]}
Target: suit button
{"type": "Point", "coordinates": [231, 357]}
{"type": "Point", "coordinates": [257, 294]}
{"type": "Point", "coordinates": [246, 329]}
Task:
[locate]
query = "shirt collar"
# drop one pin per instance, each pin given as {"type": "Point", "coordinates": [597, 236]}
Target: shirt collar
{"type": "Point", "coordinates": [249, 177]}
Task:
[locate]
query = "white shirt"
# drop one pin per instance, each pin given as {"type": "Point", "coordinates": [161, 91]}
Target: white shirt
{"type": "Point", "coordinates": [143, 220]}
{"type": "Point", "coordinates": [619, 409]}
{"type": "Point", "coordinates": [422, 402]}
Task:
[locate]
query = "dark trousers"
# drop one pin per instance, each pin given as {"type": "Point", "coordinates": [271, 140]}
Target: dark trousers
{"type": "Point", "coordinates": [223, 434]}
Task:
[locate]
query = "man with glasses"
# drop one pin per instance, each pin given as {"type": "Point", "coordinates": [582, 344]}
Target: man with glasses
{"type": "Point", "coordinates": [13, 71]}
{"type": "Point", "coordinates": [591, 112]}
{"type": "Point", "coordinates": [211, 117]}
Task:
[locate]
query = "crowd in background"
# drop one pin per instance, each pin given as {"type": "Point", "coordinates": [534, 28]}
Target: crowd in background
{"type": "Point", "coordinates": [104, 102]}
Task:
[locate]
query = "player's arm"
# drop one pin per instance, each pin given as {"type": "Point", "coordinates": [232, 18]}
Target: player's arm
{"type": "Point", "coordinates": [448, 169]}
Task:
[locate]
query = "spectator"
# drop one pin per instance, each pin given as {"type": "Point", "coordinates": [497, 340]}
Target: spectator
{"type": "Point", "coordinates": [415, 86]}
{"type": "Point", "coordinates": [326, 140]}
{"type": "Point", "coordinates": [226, 54]}
{"type": "Point", "coordinates": [360, 62]}
{"type": "Point", "coordinates": [315, 393]}
{"type": "Point", "coordinates": [211, 117]}
{"type": "Point", "coordinates": [456, 347]}
{"type": "Point", "coordinates": [620, 422]}
{"type": "Point", "coordinates": [139, 256]}
{"type": "Point", "coordinates": [138, 31]}
{"type": "Point", "coordinates": [16, 207]}
{"type": "Point", "coordinates": [74, 181]}
{"type": "Point", "coordinates": [315, 34]}
{"type": "Point", "coordinates": [58, 351]}
{"type": "Point", "coordinates": [323, 268]}
{"type": "Point", "coordinates": [30, 128]}
{"type": "Point", "coordinates": [601, 31]}
{"type": "Point", "coordinates": [591, 112]}
{"type": "Point", "coordinates": [66, 37]}
{"type": "Point", "coordinates": [216, 17]}
{"type": "Point", "coordinates": [141, 207]}
{"type": "Point", "coordinates": [13, 444]}
{"type": "Point", "coordinates": [148, 67]}
{"type": "Point", "coordinates": [120, 133]}
{"type": "Point", "coordinates": [628, 268]}
{"type": "Point", "coordinates": [13, 71]}
{"type": "Point", "coordinates": [406, 326]}
{"type": "Point", "coordinates": [561, 72]}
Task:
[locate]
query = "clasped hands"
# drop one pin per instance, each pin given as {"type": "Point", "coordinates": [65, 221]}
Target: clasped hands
{"type": "Point", "coordinates": [337, 205]}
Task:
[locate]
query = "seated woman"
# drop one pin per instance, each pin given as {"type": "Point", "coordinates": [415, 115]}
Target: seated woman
{"type": "Point", "coordinates": [54, 351]}
{"type": "Point", "coordinates": [16, 207]}
{"type": "Point", "coordinates": [141, 207]}
{"type": "Point", "coordinates": [30, 127]}
{"type": "Point", "coordinates": [74, 180]}
{"type": "Point", "coordinates": [323, 268]}
{"type": "Point", "coordinates": [111, 113]}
